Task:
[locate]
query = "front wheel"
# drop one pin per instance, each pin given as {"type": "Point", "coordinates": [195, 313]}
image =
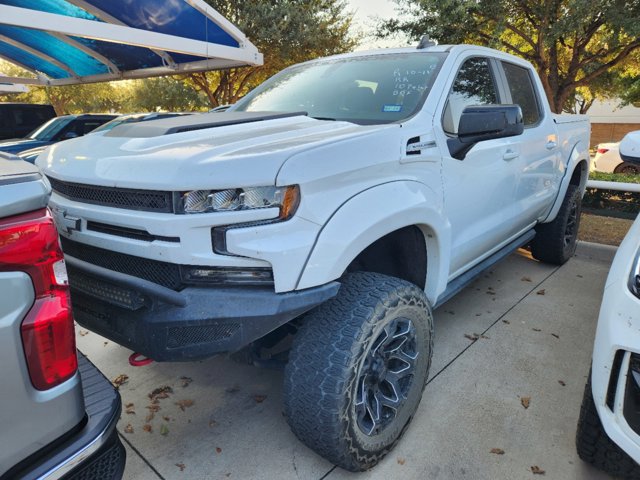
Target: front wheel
{"type": "Point", "coordinates": [555, 242]}
{"type": "Point", "coordinates": [357, 369]}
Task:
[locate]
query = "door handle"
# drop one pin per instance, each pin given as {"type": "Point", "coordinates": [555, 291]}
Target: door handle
{"type": "Point", "coordinates": [551, 145]}
{"type": "Point", "coordinates": [510, 155]}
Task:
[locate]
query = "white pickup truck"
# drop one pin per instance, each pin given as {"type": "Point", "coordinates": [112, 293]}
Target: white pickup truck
{"type": "Point", "coordinates": [339, 201]}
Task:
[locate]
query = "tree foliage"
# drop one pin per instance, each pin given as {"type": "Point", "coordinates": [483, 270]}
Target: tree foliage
{"type": "Point", "coordinates": [285, 31]}
{"type": "Point", "coordinates": [572, 43]}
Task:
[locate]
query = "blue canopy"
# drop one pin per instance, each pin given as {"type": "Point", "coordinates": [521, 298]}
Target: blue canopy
{"type": "Point", "coordinates": [80, 41]}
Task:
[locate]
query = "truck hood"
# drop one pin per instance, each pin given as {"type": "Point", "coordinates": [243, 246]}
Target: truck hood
{"type": "Point", "coordinates": [216, 157]}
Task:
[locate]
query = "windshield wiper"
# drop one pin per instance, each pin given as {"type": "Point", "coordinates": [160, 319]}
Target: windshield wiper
{"type": "Point", "coordinates": [325, 118]}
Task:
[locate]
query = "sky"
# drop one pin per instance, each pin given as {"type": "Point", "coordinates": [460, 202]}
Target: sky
{"type": "Point", "coordinates": [364, 20]}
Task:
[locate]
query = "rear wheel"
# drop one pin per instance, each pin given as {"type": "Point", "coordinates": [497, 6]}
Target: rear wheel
{"type": "Point", "coordinates": [595, 447]}
{"type": "Point", "coordinates": [627, 169]}
{"type": "Point", "coordinates": [357, 369]}
{"type": "Point", "coordinates": [555, 242]}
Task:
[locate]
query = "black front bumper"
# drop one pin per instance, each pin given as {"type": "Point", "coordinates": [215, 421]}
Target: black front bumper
{"type": "Point", "coordinates": [93, 450]}
{"type": "Point", "coordinates": [169, 325]}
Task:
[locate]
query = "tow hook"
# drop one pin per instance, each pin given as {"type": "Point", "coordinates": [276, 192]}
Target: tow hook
{"type": "Point", "coordinates": [139, 360]}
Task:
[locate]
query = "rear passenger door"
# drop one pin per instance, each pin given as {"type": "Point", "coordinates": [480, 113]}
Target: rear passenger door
{"type": "Point", "coordinates": [538, 163]}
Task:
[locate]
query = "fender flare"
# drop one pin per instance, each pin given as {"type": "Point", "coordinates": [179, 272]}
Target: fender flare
{"type": "Point", "coordinates": [579, 153]}
{"type": "Point", "coordinates": [369, 216]}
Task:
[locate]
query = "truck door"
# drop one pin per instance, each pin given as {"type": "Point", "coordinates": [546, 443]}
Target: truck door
{"type": "Point", "coordinates": [479, 190]}
{"type": "Point", "coordinates": [538, 165]}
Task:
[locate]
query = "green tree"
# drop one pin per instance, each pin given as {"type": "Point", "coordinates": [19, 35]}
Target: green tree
{"type": "Point", "coordinates": [572, 43]}
{"type": "Point", "coordinates": [163, 93]}
{"type": "Point", "coordinates": [286, 31]}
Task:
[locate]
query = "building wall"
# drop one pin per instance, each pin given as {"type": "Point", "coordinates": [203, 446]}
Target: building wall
{"type": "Point", "coordinates": [610, 132]}
{"type": "Point", "coordinates": [610, 122]}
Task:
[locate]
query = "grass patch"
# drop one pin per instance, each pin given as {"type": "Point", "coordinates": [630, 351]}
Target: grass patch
{"type": "Point", "coordinates": [614, 177]}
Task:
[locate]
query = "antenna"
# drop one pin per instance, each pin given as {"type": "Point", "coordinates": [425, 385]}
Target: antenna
{"type": "Point", "coordinates": [425, 42]}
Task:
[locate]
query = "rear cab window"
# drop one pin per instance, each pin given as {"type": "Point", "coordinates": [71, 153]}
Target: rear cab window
{"type": "Point", "coordinates": [523, 93]}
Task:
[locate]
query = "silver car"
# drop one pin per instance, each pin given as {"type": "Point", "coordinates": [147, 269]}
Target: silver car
{"type": "Point", "coordinates": [58, 412]}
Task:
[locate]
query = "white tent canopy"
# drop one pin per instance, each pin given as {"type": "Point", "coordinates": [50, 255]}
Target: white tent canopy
{"type": "Point", "coordinates": [65, 42]}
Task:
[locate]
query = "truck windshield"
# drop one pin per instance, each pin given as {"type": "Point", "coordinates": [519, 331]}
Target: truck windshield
{"type": "Point", "coordinates": [365, 90]}
{"type": "Point", "coordinates": [47, 131]}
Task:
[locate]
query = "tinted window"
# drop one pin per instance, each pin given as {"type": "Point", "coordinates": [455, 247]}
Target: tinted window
{"type": "Point", "coordinates": [522, 92]}
{"type": "Point", "coordinates": [474, 85]}
{"type": "Point", "coordinates": [87, 126]}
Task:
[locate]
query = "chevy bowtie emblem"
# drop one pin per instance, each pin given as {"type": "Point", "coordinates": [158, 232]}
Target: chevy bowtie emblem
{"type": "Point", "coordinates": [65, 222]}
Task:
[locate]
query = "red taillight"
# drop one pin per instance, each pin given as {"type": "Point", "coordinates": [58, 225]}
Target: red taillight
{"type": "Point", "coordinates": [29, 243]}
{"type": "Point", "coordinates": [603, 150]}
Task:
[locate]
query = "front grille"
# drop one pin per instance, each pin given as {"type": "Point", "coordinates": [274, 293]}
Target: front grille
{"type": "Point", "coordinates": [180, 336]}
{"type": "Point", "coordinates": [162, 273]}
{"type": "Point", "coordinates": [122, 297]}
{"type": "Point", "coordinates": [144, 200]}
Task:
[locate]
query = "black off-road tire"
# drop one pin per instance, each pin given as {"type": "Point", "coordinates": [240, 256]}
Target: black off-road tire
{"type": "Point", "coordinates": [596, 448]}
{"type": "Point", "coordinates": [555, 242]}
{"type": "Point", "coordinates": [334, 364]}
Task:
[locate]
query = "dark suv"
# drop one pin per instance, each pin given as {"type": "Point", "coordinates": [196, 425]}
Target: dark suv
{"type": "Point", "coordinates": [58, 412]}
{"type": "Point", "coordinates": [56, 130]}
{"type": "Point", "coordinates": [18, 119]}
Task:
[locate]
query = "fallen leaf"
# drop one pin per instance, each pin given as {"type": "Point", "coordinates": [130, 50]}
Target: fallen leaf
{"type": "Point", "coordinates": [536, 329]}
{"type": "Point", "coordinates": [450, 312]}
{"type": "Point", "coordinates": [259, 398]}
{"type": "Point", "coordinates": [218, 450]}
{"type": "Point", "coordinates": [105, 344]}
{"type": "Point", "coordinates": [562, 382]}
{"type": "Point", "coordinates": [579, 276]}
{"type": "Point", "coordinates": [478, 314]}
{"type": "Point", "coordinates": [506, 321]}
{"type": "Point", "coordinates": [489, 292]}
{"type": "Point", "coordinates": [166, 418]}
{"type": "Point", "coordinates": [184, 403]}
{"type": "Point", "coordinates": [525, 279]}
{"type": "Point", "coordinates": [497, 451]}
{"type": "Point", "coordinates": [129, 409]}
{"type": "Point", "coordinates": [149, 417]}
{"type": "Point", "coordinates": [537, 470]}
{"type": "Point", "coordinates": [147, 428]}
{"type": "Point", "coordinates": [120, 380]}
{"type": "Point", "coordinates": [212, 423]}
{"type": "Point", "coordinates": [160, 393]}
{"type": "Point", "coordinates": [401, 461]}
{"type": "Point", "coordinates": [525, 401]}
{"type": "Point", "coordinates": [128, 428]}
{"type": "Point", "coordinates": [186, 381]}
{"type": "Point", "coordinates": [164, 430]}
{"type": "Point", "coordinates": [484, 336]}
{"type": "Point", "coordinates": [473, 337]}
{"type": "Point", "coordinates": [181, 466]}
{"type": "Point", "coordinates": [154, 407]}
{"type": "Point", "coordinates": [541, 292]}
{"type": "Point", "coordinates": [555, 335]}
{"type": "Point", "coordinates": [82, 333]}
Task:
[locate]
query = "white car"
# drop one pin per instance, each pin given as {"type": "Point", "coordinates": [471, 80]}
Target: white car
{"type": "Point", "coordinates": [608, 159]}
{"type": "Point", "coordinates": [608, 433]}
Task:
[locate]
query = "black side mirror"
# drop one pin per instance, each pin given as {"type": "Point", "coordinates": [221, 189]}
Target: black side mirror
{"type": "Point", "coordinates": [485, 122]}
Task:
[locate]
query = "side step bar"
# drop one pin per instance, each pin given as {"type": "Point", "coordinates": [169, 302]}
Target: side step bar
{"type": "Point", "coordinates": [470, 275]}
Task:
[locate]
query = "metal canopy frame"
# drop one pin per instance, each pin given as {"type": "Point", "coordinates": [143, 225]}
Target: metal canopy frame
{"type": "Point", "coordinates": [71, 30]}
{"type": "Point", "coordinates": [11, 87]}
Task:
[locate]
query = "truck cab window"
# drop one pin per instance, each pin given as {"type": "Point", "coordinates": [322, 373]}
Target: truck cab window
{"type": "Point", "coordinates": [522, 92]}
{"type": "Point", "coordinates": [474, 85]}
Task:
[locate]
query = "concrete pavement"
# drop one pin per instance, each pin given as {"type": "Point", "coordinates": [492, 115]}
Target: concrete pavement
{"type": "Point", "coordinates": [536, 325]}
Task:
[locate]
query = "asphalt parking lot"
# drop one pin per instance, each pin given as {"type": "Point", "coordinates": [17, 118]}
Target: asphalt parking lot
{"type": "Point", "coordinates": [534, 325]}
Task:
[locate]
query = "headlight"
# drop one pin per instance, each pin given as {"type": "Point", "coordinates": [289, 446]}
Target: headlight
{"type": "Point", "coordinates": [634, 276]}
{"type": "Point", "coordinates": [203, 201]}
